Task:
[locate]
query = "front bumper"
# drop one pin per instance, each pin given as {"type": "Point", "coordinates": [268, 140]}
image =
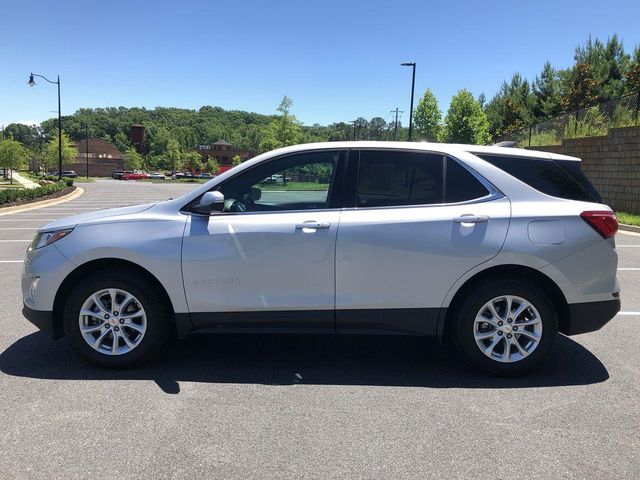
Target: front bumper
{"type": "Point", "coordinates": [44, 321]}
{"type": "Point", "coordinates": [591, 316]}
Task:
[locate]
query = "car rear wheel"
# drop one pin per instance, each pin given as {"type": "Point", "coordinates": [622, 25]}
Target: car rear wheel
{"type": "Point", "coordinates": [115, 319]}
{"type": "Point", "coordinates": [505, 327]}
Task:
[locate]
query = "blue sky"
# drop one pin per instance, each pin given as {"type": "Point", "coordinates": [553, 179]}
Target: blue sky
{"type": "Point", "coordinates": [336, 59]}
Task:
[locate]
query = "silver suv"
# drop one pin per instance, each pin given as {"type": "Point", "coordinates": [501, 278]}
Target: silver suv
{"type": "Point", "coordinates": [495, 249]}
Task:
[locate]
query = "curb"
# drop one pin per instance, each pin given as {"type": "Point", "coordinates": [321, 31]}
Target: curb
{"type": "Point", "coordinates": [629, 228]}
{"type": "Point", "coordinates": [43, 203]}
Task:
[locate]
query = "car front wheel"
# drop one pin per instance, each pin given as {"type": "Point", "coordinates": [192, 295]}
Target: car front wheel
{"type": "Point", "coordinates": [115, 319]}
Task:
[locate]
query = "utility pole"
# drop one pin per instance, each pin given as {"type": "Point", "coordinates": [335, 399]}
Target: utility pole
{"type": "Point", "coordinates": [354, 129]}
{"type": "Point", "coordinates": [395, 124]}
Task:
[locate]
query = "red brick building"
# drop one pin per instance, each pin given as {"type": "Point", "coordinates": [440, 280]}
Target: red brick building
{"type": "Point", "coordinates": [223, 152]}
{"type": "Point", "coordinates": [104, 158]}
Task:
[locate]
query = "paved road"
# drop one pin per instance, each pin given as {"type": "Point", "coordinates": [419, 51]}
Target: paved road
{"type": "Point", "coordinates": [256, 407]}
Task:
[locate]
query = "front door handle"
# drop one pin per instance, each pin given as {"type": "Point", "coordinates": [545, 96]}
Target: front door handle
{"type": "Point", "coordinates": [471, 219]}
{"type": "Point", "coordinates": [311, 225]}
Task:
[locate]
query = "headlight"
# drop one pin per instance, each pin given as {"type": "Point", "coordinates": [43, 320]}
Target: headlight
{"type": "Point", "coordinates": [46, 238]}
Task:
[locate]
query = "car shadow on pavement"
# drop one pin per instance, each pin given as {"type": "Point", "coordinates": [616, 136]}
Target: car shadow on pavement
{"type": "Point", "coordinates": [301, 359]}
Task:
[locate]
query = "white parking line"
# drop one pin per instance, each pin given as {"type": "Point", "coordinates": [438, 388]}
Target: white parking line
{"type": "Point", "coordinates": [9, 241]}
{"type": "Point", "coordinates": [628, 313]}
{"type": "Point", "coordinates": [629, 269]}
{"type": "Point", "coordinates": [632, 234]}
{"type": "Point", "coordinates": [628, 246]}
{"type": "Point", "coordinates": [18, 228]}
{"type": "Point", "coordinates": [29, 220]}
{"type": "Point", "coordinates": [11, 261]}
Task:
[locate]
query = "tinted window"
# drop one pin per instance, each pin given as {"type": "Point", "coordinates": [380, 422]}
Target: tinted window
{"type": "Point", "coordinates": [461, 185]}
{"type": "Point", "coordinates": [387, 178]}
{"type": "Point", "coordinates": [573, 168]}
{"type": "Point", "coordinates": [544, 175]}
{"type": "Point", "coordinates": [295, 182]}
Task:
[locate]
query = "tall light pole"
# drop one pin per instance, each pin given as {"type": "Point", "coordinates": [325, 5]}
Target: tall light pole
{"type": "Point", "coordinates": [32, 83]}
{"type": "Point", "coordinates": [86, 146]}
{"type": "Point", "coordinates": [413, 84]}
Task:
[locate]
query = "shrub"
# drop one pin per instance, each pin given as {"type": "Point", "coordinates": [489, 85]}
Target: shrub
{"type": "Point", "coordinates": [17, 194]}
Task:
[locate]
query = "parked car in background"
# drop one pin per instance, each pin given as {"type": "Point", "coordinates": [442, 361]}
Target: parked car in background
{"type": "Point", "coordinates": [157, 176]}
{"type": "Point", "coordinates": [67, 174]}
{"type": "Point", "coordinates": [117, 174]}
{"type": "Point", "coordinates": [206, 175]}
{"type": "Point", "coordinates": [135, 176]}
{"type": "Point", "coordinates": [494, 250]}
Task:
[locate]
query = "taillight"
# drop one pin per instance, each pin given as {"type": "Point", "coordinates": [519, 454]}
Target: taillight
{"type": "Point", "coordinates": [603, 222]}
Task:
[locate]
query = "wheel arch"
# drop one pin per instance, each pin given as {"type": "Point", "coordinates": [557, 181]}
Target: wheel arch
{"type": "Point", "coordinates": [100, 264]}
{"type": "Point", "coordinates": [518, 272]}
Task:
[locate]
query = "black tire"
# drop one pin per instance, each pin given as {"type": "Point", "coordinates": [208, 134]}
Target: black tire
{"type": "Point", "coordinates": [464, 314]}
{"type": "Point", "coordinates": [158, 317]}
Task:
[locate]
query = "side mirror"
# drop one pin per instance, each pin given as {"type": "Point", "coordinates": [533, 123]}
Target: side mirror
{"type": "Point", "coordinates": [209, 202]}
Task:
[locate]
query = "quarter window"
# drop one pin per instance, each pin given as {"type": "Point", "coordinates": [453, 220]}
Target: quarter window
{"type": "Point", "coordinates": [547, 176]}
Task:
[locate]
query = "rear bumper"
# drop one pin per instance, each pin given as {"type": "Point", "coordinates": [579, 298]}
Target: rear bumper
{"type": "Point", "coordinates": [591, 316]}
{"type": "Point", "coordinates": [44, 321]}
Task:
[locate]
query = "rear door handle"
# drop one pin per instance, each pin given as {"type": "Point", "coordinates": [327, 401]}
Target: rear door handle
{"type": "Point", "coordinates": [313, 226]}
{"type": "Point", "coordinates": [471, 219]}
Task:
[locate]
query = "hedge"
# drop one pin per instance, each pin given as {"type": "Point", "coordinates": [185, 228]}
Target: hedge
{"type": "Point", "coordinates": [21, 194]}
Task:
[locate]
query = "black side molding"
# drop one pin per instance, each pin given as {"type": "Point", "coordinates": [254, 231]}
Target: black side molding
{"type": "Point", "coordinates": [389, 321]}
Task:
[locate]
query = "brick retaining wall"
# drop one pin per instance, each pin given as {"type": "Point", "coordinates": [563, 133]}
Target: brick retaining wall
{"type": "Point", "coordinates": [612, 163]}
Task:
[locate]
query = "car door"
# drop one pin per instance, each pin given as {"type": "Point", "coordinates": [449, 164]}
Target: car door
{"type": "Point", "coordinates": [419, 221]}
{"type": "Point", "coordinates": [268, 260]}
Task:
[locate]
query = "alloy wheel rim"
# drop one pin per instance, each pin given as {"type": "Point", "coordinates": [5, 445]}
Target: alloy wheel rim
{"type": "Point", "coordinates": [112, 321]}
{"type": "Point", "coordinates": [507, 328]}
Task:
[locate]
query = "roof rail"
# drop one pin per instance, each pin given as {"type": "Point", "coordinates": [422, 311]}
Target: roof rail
{"type": "Point", "coordinates": [507, 144]}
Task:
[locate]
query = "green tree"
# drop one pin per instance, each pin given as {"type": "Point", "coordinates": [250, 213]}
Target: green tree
{"type": "Point", "coordinates": [121, 141]}
{"type": "Point", "coordinates": [236, 160]}
{"type": "Point", "coordinates": [581, 87]}
{"type": "Point", "coordinates": [212, 165]}
{"type": "Point", "coordinates": [546, 90]}
{"type": "Point", "coordinates": [12, 154]}
{"type": "Point", "coordinates": [608, 62]}
{"type": "Point", "coordinates": [50, 153]}
{"type": "Point", "coordinates": [284, 130]}
{"type": "Point", "coordinates": [428, 117]}
{"type": "Point", "coordinates": [193, 161]}
{"type": "Point", "coordinates": [465, 121]}
{"type": "Point", "coordinates": [173, 156]}
{"type": "Point", "coordinates": [377, 128]}
{"type": "Point", "coordinates": [132, 159]}
{"type": "Point", "coordinates": [24, 134]}
{"type": "Point", "coordinates": [632, 76]}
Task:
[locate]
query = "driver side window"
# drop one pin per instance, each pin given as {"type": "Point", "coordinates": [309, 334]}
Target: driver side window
{"type": "Point", "coordinates": [296, 182]}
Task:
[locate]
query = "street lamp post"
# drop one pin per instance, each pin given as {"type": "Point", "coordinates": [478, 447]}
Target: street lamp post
{"type": "Point", "coordinates": [32, 83]}
{"type": "Point", "coordinates": [86, 146]}
{"type": "Point", "coordinates": [413, 84]}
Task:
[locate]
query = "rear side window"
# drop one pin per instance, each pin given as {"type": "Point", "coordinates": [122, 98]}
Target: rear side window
{"type": "Point", "coordinates": [390, 178]}
{"type": "Point", "coordinates": [547, 176]}
{"type": "Point", "coordinates": [393, 178]}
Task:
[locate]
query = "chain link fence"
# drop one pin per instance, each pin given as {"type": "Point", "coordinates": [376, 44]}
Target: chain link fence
{"type": "Point", "coordinates": [586, 122]}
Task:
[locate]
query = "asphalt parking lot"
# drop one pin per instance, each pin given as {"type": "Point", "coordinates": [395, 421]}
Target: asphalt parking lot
{"type": "Point", "coordinates": [309, 407]}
